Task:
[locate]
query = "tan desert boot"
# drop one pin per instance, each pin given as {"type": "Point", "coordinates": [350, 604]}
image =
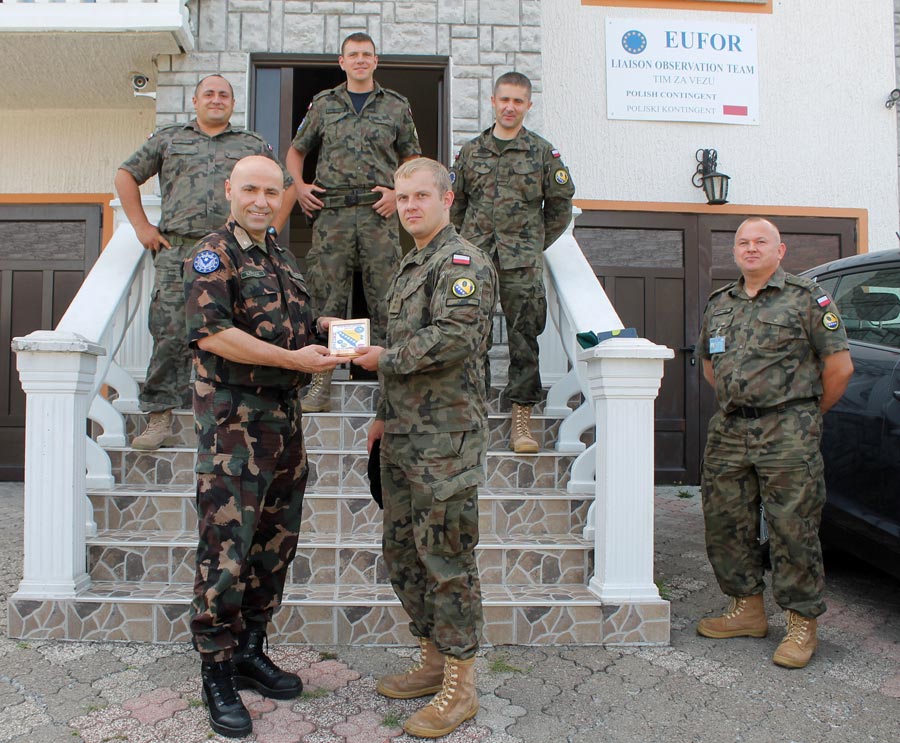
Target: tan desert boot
{"type": "Point", "coordinates": [746, 617]}
{"type": "Point", "coordinates": [424, 678]}
{"type": "Point", "coordinates": [318, 397]}
{"type": "Point", "coordinates": [456, 702]}
{"type": "Point", "coordinates": [520, 439]}
{"type": "Point", "coordinates": [799, 641]}
{"type": "Point", "coordinates": [158, 432]}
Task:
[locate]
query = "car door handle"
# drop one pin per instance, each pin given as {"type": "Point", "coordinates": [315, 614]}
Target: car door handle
{"type": "Point", "coordinates": [897, 394]}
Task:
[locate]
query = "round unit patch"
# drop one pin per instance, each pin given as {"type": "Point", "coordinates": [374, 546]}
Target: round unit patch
{"type": "Point", "coordinates": [831, 321]}
{"type": "Point", "coordinates": [463, 288]}
{"type": "Point", "coordinates": [206, 261]}
{"type": "Point", "coordinates": [452, 176]}
{"type": "Point", "coordinates": [561, 177]}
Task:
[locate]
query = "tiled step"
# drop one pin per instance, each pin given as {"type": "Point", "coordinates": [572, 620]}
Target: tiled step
{"type": "Point", "coordinates": [166, 556]}
{"type": "Point", "coordinates": [341, 615]}
{"type": "Point", "coordinates": [339, 468]}
{"type": "Point", "coordinates": [347, 512]}
{"type": "Point", "coordinates": [348, 430]}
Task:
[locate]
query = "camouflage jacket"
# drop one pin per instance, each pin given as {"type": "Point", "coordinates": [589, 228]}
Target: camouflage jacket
{"type": "Point", "coordinates": [192, 168]}
{"type": "Point", "coordinates": [769, 349]}
{"type": "Point", "coordinates": [231, 281]}
{"type": "Point", "coordinates": [358, 150]}
{"type": "Point", "coordinates": [513, 203]}
{"type": "Point", "coordinates": [439, 322]}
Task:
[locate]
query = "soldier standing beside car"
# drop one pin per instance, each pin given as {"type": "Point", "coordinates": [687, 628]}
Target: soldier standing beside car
{"type": "Point", "coordinates": [363, 132]}
{"type": "Point", "coordinates": [431, 420]}
{"type": "Point", "coordinates": [513, 198]}
{"type": "Point", "coordinates": [192, 160]}
{"type": "Point", "coordinates": [775, 350]}
{"type": "Point", "coordinates": [249, 322]}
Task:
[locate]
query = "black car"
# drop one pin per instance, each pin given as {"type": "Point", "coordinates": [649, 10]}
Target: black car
{"type": "Point", "coordinates": [861, 441]}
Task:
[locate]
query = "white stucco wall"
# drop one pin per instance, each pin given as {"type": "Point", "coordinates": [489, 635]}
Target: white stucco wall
{"type": "Point", "coordinates": [68, 151]}
{"type": "Point", "coordinates": [825, 138]}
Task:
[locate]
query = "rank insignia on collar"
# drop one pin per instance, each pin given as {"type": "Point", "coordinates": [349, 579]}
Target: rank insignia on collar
{"type": "Point", "coordinates": [823, 301]}
{"type": "Point", "coordinates": [831, 321]}
{"type": "Point", "coordinates": [561, 177]}
{"type": "Point", "coordinates": [206, 261]}
{"type": "Point", "coordinates": [463, 288]}
{"type": "Point", "coordinates": [461, 260]}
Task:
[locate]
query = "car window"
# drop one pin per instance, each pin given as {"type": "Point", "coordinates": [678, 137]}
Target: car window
{"type": "Point", "coordinates": [828, 284]}
{"type": "Point", "coordinates": [869, 302]}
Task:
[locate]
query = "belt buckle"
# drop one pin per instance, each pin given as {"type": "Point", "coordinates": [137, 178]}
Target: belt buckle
{"type": "Point", "coordinates": [351, 199]}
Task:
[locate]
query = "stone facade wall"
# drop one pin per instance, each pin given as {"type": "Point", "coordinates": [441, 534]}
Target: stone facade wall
{"type": "Point", "coordinates": [483, 38]}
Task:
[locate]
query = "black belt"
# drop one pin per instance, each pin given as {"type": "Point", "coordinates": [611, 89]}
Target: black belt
{"type": "Point", "coordinates": [354, 197]}
{"type": "Point", "coordinates": [746, 411]}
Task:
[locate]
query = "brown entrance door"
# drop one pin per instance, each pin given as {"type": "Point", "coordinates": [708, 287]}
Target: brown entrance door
{"type": "Point", "coordinates": [45, 253]}
{"type": "Point", "coordinates": [658, 269]}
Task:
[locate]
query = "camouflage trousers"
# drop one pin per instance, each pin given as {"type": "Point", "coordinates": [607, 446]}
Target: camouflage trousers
{"type": "Point", "coordinates": [524, 304]}
{"type": "Point", "coordinates": [169, 371]}
{"type": "Point", "coordinates": [430, 489]}
{"type": "Point", "coordinates": [251, 476]}
{"type": "Point", "coordinates": [344, 238]}
{"type": "Point", "coordinates": [773, 460]}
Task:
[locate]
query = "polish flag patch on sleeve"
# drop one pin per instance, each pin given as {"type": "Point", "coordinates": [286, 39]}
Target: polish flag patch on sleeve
{"type": "Point", "coordinates": [823, 301]}
{"type": "Point", "coordinates": [461, 260]}
{"type": "Point", "coordinates": [555, 153]}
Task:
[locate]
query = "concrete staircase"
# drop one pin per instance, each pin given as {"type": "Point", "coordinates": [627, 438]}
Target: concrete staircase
{"type": "Point", "coordinates": [533, 560]}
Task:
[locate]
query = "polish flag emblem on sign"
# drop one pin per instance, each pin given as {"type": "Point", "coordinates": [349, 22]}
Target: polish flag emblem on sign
{"type": "Point", "coordinates": [734, 110]}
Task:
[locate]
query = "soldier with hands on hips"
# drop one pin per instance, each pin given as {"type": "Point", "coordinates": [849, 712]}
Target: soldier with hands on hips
{"type": "Point", "coordinates": [249, 323]}
{"type": "Point", "coordinates": [363, 132]}
{"type": "Point", "coordinates": [775, 350]}
{"type": "Point", "coordinates": [193, 161]}
{"type": "Point", "coordinates": [513, 198]}
{"type": "Point", "coordinates": [431, 421]}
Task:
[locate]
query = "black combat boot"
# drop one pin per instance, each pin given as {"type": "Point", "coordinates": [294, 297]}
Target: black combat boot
{"type": "Point", "coordinates": [227, 714]}
{"type": "Point", "coordinates": [253, 669]}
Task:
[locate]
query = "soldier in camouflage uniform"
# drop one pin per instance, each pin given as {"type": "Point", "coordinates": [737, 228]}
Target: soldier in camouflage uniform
{"type": "Point", "coordinates": [249, 323]}
{"type": "Point", "coordinates": [192, 160]}
{"type": "Point", "coordinates": [774, 349]}
{"type": "Point", "coordinates": [363, 132]}
{"type": "Point", "coordinates": [513, 198]}
{"type": "Point", "coordinates": [431, 419]}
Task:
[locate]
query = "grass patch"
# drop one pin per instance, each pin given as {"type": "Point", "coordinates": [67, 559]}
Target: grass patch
{"type": "Point", "coordinates": [192, 703]}
{"type": "Point", "coordinates": [664, 593]}
{"type": "Point", "coordinates": [319, 693]}
{"type": "Point", "coordinates": [391, 720]}
{"type": "Point", "coordinates": [23, 645]}
{"type": "Point", "coordinates": [685, 494]}
{"type": "Point", "coordinates": [501, 664]}
{"type": "Point", "coordinates": [325, 655]}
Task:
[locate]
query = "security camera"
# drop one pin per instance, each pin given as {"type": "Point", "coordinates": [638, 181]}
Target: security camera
{"type": "Point", "coordinates": [139, 82]}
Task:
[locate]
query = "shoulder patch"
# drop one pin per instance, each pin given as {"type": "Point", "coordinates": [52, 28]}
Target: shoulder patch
{"type": "Point", "coordinates": [555, 153]}
{"type": "Point", "coordinates": [452, 176]}
{"type": "Point", "coordinates": [463, 287]}
{"type": "Point", "coordinates": [831, 321]}
{"type": "Point", "coordinates": [561, 177]}
{"type": "Point", "coordinates": [823, 301]}
{"type": "Point", "coordinates": [206, 261]}
{"type": "Point", "coordinates": [461, 260]}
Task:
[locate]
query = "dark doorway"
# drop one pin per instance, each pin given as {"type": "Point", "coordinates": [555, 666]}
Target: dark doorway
{"type": "Point", "coordinates": [46, 252]}
{"type": "Point", "coordinates": [658, 269]}
{"type": "Point", "coordinates": [284, 85]}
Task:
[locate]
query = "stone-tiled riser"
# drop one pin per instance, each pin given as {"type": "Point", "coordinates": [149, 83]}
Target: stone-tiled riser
{"type": "Point", "coordinates": [348, 432]}
{"type": "Point", "coordinates": [339, 469]}
{"type": "Point", "coordinates": [360, 563]}
{"type": "Point", "coordinates": [565, 615]}
{"type": "Point", "coordinates": [349, 513]}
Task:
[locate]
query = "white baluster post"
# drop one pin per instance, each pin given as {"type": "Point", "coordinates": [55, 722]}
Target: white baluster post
{"type": "Point", "coordinates": [624, 375]}
{"type": "Point", "coordinates": [57, 373]}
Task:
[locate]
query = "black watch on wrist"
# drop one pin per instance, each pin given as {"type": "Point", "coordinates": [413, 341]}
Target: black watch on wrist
{"type": "Point", "coordinates": [272, 232]}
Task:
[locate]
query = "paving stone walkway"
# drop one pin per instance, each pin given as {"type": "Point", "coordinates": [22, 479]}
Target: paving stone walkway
{"type": "Point", "coordinates": [698, 690]}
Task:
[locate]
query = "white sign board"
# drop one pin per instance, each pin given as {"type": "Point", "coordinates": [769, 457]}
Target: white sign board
{"type": "Point", "coordinates": [681, 71]}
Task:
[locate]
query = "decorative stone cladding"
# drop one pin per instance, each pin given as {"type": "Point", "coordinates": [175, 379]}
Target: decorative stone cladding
{"type": "Point", "coordinates": [483, 38]}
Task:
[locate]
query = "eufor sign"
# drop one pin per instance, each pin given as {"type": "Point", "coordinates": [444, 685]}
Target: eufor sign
{"type": "Point", "coordinates": [680, 71]}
